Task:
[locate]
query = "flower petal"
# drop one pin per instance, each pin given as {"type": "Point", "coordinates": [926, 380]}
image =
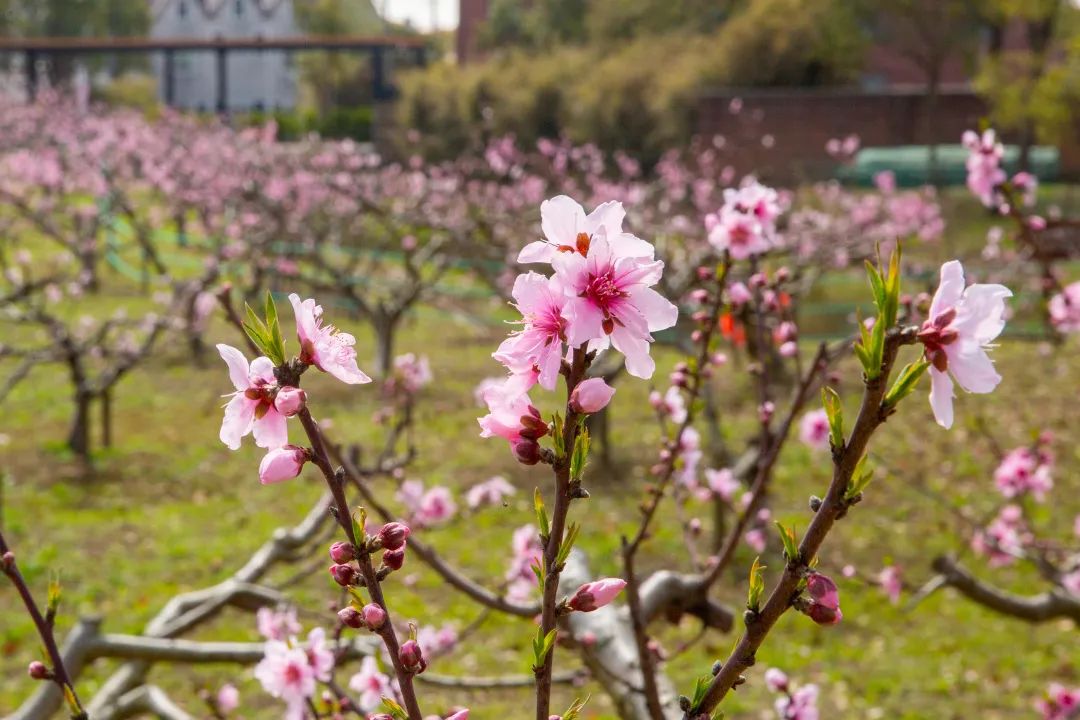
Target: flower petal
{"type": "Point", "coordinates": [238, 365]}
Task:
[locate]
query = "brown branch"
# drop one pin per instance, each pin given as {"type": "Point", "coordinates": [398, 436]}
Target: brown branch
{"type": "Point", "coordinates": [1056, 603]}
{"type": "Point", "coordinates": [845, 459]}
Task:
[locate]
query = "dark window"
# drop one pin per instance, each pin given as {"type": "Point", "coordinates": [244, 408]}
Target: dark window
{"type": "Point", "coordinates": [183, 8]}
{"type": "Point", "coordinates": [239, 7]}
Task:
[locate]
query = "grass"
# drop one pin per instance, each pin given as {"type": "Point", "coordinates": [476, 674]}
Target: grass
{"type": "Point", "coordinates": [169, 508]}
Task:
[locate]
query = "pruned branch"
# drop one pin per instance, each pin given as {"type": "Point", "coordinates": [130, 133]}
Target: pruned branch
{"type": "Point", "coordinates": [1043, 607]}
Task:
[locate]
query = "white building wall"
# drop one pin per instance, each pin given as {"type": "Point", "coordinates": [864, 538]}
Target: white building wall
{"type": "Point", "coordinates": [256, 79]}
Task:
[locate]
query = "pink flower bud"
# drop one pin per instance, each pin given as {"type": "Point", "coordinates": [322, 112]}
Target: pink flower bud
{"type": "Point", "coordinates": [776, 680]}
{"type": "Point", "coordinates": [759, 280]}
{"type": "Point", "coordinates": [595, 595]}
{"type": "Point", "coordinates": [526, 451]}
{"type": "Point", "coordinates": [394, 559]}
{"type": "Point", "coordinates": [228, 699]}
{"type": "Point", "coordinates": [290, 400]}
{"type": "Point", "coordinates": [591, 396]}
{"type": "Point", "coordinates": [823, 590]}
{"type": "Point", "coordinates": [374, 616]}
{"type": "Point", "coordinates": [351, 617]}
{"type": "Point", "coordinates": [344, 575]}
{"type": "Point", "coordinates": [38, 671]}
{"type": "Point", "coordinates": [342, 552]}
{"type": "Point", "coordinates": [738, 294]}
{"type": "Point", "coordinates": [700, 296]}
{"type": "Point", "coordinates": [408, 243]}
{"type": "Point", "coordinates": [411, 657]}
{"type": "Point", "coordinates": [393, 535]}
{"type": "Point", "coordinates": [460, 715]}
{"type": "Point", "coordinates": [283, 463]}
{"type": "Point", "coordinates": [823, 615]}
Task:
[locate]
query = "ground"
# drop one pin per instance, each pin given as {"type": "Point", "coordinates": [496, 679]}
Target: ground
{"type": "Point", "coordinates": [169, 508]}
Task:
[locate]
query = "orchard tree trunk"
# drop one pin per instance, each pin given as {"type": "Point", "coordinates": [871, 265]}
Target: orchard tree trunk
{"type": "Point", "coordinates": [79, 434]}
{"type": "Point", "coordinates": [385, 326]}
{"type": "Point", "coordinates": [106, 418]}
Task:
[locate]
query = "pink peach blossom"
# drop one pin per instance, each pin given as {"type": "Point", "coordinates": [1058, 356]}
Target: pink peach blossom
{"type": "Point", "coordinates": [591, 396]}
{"type": "Point", "coordinates": [251, 408]}
{"type": "Point", "coordinates": [595, 595]}
{"type": "Point", "coordinates": [324, 346]}
{"type": "Point", "coordinates": [961, 325]}
{"type": "Point", "coordinates": [283, 463]}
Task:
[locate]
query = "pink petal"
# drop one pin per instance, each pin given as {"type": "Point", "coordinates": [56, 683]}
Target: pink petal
{"type": "Point", "coordinates": [238, 365]}
{"type": "Point", "coordinates": [561, 219]}
{"type": "Point", "coordinates": [239, 414]}
{"type": "Point", "coordinates": [941, 397]}
{"type": "Point", "coordinates": [271, 430]}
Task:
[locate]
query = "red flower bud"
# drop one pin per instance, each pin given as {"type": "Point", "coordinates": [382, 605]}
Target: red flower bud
{"type": "Point", "coordinates": [342, 552]}
{"type": "Point", "coordinates": [394, 559]}
{"type": "Point", "coordinates": [38, 671]}
{"type": "Point", "coordinates": [374, 616]}
{"type": "Point", "coordinates": [411, 657]}
{"type": "Point", "coordinates": [351, 617]}
{"type": "Point", "coordinates": [344, 575]}
{"type": "Point", "coordinates": [393, 535]}
{"type": "Point", "coordinates": [823, 615]}
{"type": "Point", "coordinates": [526, 451]}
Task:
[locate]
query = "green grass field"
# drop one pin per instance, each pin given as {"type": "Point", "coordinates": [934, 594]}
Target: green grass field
{"type": "Point", "coordinates": [169, 508]}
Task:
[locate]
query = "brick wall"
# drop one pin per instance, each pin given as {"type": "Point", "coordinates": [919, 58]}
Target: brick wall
{"type": "Point", "coordinates": [802, 121]}
{"type": "Point", "coordinates": [473, 13]}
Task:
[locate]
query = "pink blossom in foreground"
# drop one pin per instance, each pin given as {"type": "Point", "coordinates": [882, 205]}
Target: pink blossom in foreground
{"type": "Point", "coordinates": [283, 463]}
{"type": "Point", "coordinates": [286, 674]}
{"type": "Point", "coordinates": [1064, 309]}
{"type": "Point", "coordinates": [814, 429]}
{"type": "Point", "coordinates": [891, 582]}
{"type": "Point", "coordinates": [489, 492]}
{"type": "Point", "coordinates": [611, 299]}
{"type": "Point", "coordinates": [591, 396]}
{"type": "Point", "coordinates": [1023, 470]}
{"type": "Point", "coordinates": [324, 346]}
{"type": "Point", "coordinates": [539, 342]}
{"type": "Point", "coordinates": [1059, 703]}
{"type": "Point", "coordinates": [961, 325]}
{"type": "Point", "coordinates": [277, 624]}
{"type": "Point", "coordinates": [568, 230]}
{"type": "Point", "coordinates": [513, 417]}
{"type": "Point", "coordinates": [595, 595]}
{"type": "Point", "coordinates": [370, 684]}
{"type": "Point", "coordinates": [227, 699]}
{"type": "Point", "coordinates": [251, 408]}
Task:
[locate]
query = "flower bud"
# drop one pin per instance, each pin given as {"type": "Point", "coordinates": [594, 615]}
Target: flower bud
{"type": "Point", "coordinates": [344, 575]}
{"type": "Point", "coordinates": [342, 552]}
{"type": "Point", "coordinates": [38, 671]}
{"type": "Point", "coordinates": [776, 680]}
{"type": "Point", "coordinates": [823, 615]}
{"type": "Point", "coordinates": [700, 296]}
{"type": "Point", "coordinates": [759, 280]}
{"type": "Point", "coordinates": [591, 396]}
{"type": "Point", "coordinates": [351, 617]}
{"type": "Point", "coordinates": [823, 590]}
{"type": "Point", "coordinates": [393, 535]}
{"type": "Point", "coordinates": [411, 657]}
{"type": "Point", "coordinates": [460, 715]}
{"type": "Point", "coordinates": [394, 559]}
{"type": "Point", "coordinates": [374, 616]}
{"type": "Point", "coordinates": [704, 272]}
{"type": "Point", "coordinates": [783, 274]}
{"type": "Point", "coordinates": [526, 451]}
{"type": "Point", "coordinates": [8, 560]}
{"type": "Point", "coordinates": [290, 400]}
{"type": "Point", "coordinates": [283, 463]}
{"type": "Point", "coordinates": [595, 595]}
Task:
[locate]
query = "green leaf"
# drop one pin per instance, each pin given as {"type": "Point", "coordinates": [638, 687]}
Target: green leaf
{"type": "Point", "coordinates": [580, 457]}
{"type": "Point", "coordinates": [395, 710]}
{"type": "Point", "coordinates": [757, 585]}
{"type": "Point", "coordinates": [567, 543]}
{"type": "Point", "coordinates": [835, 412]}
{"type": "Point", "coordinates": [359, 523]}
{"type": "Point", "coordinates": [557, 436]}
{"type": "Point", "coordinates": [276, 340]}
{"type": "Point", "coordinates": [905, 383]}
{"type": "Point", "coordinates": [541, 514]}
{"type": "Point", "coordinates": [542, 645]}
{"type": "Point", "coordinates": [574, 711]}
{"type": "Point", "coordinates": [791, 546]}
{"type": "Point", "coordinates": [700, 688]}
{"type": "Point", "coordinates": [892, 288]}
{"type": "Point", "coordinates": [877, 285]}
{"type": "Point", "coordinates": [860, 478]}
